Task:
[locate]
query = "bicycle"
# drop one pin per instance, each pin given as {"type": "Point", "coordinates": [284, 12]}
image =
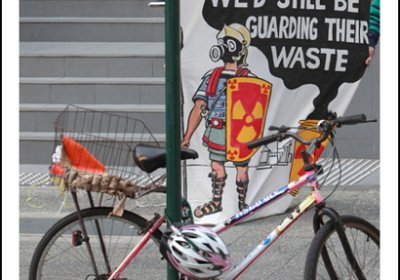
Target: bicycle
{"type": "Point", "coordinates": [91, 234]}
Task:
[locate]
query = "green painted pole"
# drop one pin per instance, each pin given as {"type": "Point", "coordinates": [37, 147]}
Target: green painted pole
{"type": "Point", "coordinates": [172, 96]}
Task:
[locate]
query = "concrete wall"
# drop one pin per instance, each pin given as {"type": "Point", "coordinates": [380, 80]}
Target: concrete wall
{"type": "Point", "coordinates": [362, 141]}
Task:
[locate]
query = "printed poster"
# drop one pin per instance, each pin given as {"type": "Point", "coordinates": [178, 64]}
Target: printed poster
{"type": "Point", "coordinates": [250, 64]}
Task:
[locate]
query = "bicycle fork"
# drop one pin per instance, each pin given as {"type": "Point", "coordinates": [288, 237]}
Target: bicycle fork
{"type": "Point", "coordinates": [340, 229]}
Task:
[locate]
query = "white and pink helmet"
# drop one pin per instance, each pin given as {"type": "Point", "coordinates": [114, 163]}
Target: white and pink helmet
{"type": "Point", "coordinates": [197, 252]}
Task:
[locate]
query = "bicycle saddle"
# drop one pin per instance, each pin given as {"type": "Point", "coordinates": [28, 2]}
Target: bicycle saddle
{"type": "Point", "coordinates": [149, 158]}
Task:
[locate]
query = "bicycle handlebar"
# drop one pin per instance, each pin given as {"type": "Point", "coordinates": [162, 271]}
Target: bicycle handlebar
{"type": "Point", "coordinates": [264, 141]}
{"type": "Point", "coordinates": [351, 120]}
{"type": "Point", "coordinates": [324, 126]}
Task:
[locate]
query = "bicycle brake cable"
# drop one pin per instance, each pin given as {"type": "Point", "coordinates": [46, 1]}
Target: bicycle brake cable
{"type": "Point", "coordinates": [335, 155]}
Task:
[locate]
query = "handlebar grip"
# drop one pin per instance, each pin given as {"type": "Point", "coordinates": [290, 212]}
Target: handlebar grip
{"type": "Point", "coordinates": [273, 127]}
{"type": "Point", "coordinates": [263, 141]}
{"type": "Point", "coordinates": [355, 119]}
{"type": "Point", "coordinates": [280, 128]}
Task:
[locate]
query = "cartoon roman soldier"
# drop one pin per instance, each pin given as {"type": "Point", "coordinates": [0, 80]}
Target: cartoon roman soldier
{"type": "Point", "coordinates": [233, 103]}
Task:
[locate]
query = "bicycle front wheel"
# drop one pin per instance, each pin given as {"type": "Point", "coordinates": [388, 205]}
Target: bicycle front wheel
{"type": "Point", "coordinates": [326, 258]}
{"type": "Point", "coordinates": [63, 253]}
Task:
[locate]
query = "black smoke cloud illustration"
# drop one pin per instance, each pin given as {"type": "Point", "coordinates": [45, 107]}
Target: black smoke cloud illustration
{"type": "Point", "coordinates": [321, 42]}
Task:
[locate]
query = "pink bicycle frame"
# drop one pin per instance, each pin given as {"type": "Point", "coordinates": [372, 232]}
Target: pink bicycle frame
{"type": "Point", "coordinates": [308, 178]}
{"type": "Point", "coordinates": [135, 251]}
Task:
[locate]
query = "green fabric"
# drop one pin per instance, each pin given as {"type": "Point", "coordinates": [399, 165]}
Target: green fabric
{"type": "Point", "coordinates": [374, 19]}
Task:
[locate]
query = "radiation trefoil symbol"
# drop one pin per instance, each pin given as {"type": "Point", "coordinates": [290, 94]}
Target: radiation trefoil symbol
{"type": "Point", "coordinates": [247, 106]}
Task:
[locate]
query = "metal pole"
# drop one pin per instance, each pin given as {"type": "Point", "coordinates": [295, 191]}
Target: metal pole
{"type": "Point", "coordinates": [172, 94]}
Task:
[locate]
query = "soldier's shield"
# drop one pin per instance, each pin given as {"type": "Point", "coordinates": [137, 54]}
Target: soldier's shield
{"type": "Point", "coordinates": [247, 100]}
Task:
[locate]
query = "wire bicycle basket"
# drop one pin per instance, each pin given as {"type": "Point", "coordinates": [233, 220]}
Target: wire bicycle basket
{"type": "Point", "coordinates": [93, 151]}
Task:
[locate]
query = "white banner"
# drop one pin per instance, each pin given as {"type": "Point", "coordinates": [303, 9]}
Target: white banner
{"type": "Point", "coordinates": [249, 64]}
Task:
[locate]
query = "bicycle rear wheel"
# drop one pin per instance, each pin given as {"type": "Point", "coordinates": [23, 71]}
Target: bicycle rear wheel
{"type": "Point", "coordinates": [61, 254]}
{"type": "Point", "coordinates": [326, 258]}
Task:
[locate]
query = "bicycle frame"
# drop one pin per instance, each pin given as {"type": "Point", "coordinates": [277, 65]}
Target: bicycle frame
{"type": "Point", "coordinates": [309, 178]}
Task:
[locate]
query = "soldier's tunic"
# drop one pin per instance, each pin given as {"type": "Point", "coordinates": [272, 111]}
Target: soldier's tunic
{"type": "Point", "coordinates": [213, 91]}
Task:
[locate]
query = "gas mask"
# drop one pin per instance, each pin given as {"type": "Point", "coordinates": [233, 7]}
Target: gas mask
{"type": "Point", "coordinates": [228, 50]}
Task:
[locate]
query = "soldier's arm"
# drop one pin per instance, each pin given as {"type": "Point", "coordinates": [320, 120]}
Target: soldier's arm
{"type": "Point", "coordinates": [193, 121]}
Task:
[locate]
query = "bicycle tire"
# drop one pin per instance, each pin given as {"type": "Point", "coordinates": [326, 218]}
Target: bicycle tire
{"type": "Point", "coordinates": [364, 242]}
{"type": "Point", "coordinates": [56, 257]}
